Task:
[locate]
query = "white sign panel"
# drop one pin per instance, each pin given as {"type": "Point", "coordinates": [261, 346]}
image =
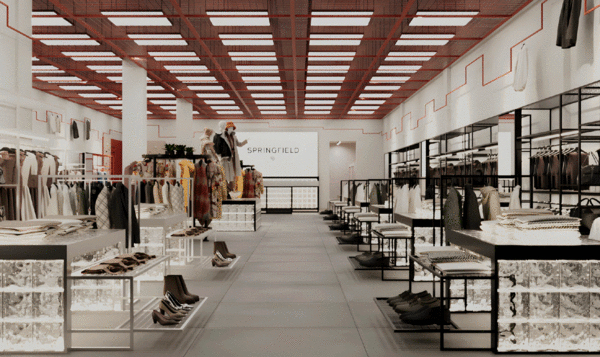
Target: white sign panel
{"type": "Point", "coordinates": [281, 154]}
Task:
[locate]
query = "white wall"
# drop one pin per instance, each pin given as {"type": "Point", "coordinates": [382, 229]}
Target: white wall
{"type": "Point", "coordinates": [25, 108]}
{"type": "Point", "coordinates": [366, 134]}
{"type": "Point", "coordinates": [341, 157]}
{"type": "Point", "coordinates": [433, 110]}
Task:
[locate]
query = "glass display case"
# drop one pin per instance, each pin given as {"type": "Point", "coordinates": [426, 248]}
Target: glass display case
{"type": "Point", "coordinates": [240, 215]}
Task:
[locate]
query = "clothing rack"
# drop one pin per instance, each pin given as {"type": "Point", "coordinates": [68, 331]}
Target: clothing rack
{"type": "Point", "coordinates": [155, 157]}
{"type": "Point", "coordinates": [190, 191]}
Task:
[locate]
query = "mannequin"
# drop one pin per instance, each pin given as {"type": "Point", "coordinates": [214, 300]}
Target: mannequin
{"type": "Point", "coordinates": [207, 146]}
{"type": "Point", "coordinates": [226, 145]}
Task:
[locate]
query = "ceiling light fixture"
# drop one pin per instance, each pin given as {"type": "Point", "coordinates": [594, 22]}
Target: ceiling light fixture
{"type": "Point", "coordinates": [327, 69]}
{"type": "Point", "coordinates": [324, 79]}
{"type": "Point", "coordinates": [58, 79]}
{"type": "Point", "coordinates": [247, 40]}
{"type": "Point", "coordinates": [257, 69]}
{"type": "Point", "coordinates": [317, 107]}
{"type": "Point", "coordinates": [187, 69]}
{"type": "Point", "coordinates": [224, 107]}
{"type": "Point", "coordinates": [375, 95]}
{"type": "Point", "coordinates": [92, 56]}
{"type": "Point", "coordinates": [273, 112]}
{"type": "Point", "coordinates": [359, 112]}
{"type": "Point", "coordinates": [239, 18]}
{"type": "Point", "coordinates": [409, 56]}
{"type": "Point", "coordinates": [334, 40]}
{"type": "Point", "coordinates": [331, 56]}
{"type": "Point", "coordinates": [423, 39]}
{"type": "Point", "coordinates": [106, 69]}
{"type": "Point", "coordinates": [158, 39]}
{"type": "Point", "coordinates": [261, 79]}
{"type": "Point", "coordinates": [321, 95]}
{"type": "Point", "coordinates": [191, 79]}
{"type": "Point", "coordinates": [169, 107]}
{"type": "Point", "coordinates": [160, 95]}
{"type": "Point", "coordinates": [267, 95]}
{"type": "Point", "coordinates": [66, 40]}
{"type": "Point", "coordinates": [341, 18]}
{"type": "Point", "coordinates": [137, 18]}
{"type": "Point", "coordinates": [213, 95]}
{"type": "Point", "coordinates": [367, 102]}
{"type": "Point", "coordinates": [97, 95]}
{"type": "Point", "coordinates": [324, 88]}
{"type": "Point", "coordinates": [269, 102]}
{"type": "Point", "coordinates": [364, 107]}
{"type": "Point", "coordinates": [41, 18]}
{"type": "Point", "coordinates": [164, 102]}
{"type": "Point", "coordinates": [116, 107]}
{"type": "Point", "coordinates": [382, 88]}
{"type": "Point", "coordinates": [399, 79]}
{"type": "Point", "coordinates": [317, 102]}
{"type": "Point", "coordinates": [252, 56]}
{"type": "Point", "coordinates": [46, 69]}
{"type": "Point", "coordinates": [205, 88]}
{"type": "Point", "coordinates": [317, 112]}
{"type": "Point", "coordinates": [174, 56]}
{"type": "Point", "coordinates": [271, 107]}
{"type": "Point", "coordinates": [398, 69]}
{"type": "Point", "coordinates": [219, 102]}
{"type": "Point", "coordinates": [230, 112]}
{"type": "Point", "coordinates": [443, 18]}
{"type": "Point", "coordinates": [270, 88]}
{"type": "Point", "coordinates": [149, 88]}
{"type": "Point", "coordinates": [105, 102]}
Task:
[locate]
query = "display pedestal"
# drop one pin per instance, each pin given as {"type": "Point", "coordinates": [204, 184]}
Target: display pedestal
{"type": "Point", "coordinates": [241, 215]}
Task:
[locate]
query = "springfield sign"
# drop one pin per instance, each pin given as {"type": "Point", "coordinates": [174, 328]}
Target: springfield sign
{"type": "Point", "coordinates": [281, 154]}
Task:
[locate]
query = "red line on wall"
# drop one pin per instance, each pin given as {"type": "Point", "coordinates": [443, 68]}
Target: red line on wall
{"type": "Point", "coordinates": [159, 136]}
{"type": "Point", "coordinates": [12, 28]}
{"type": "Point", "coordinates": [586, 12]}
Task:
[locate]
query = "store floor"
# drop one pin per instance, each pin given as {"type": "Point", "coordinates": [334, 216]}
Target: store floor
{"type": "Point", "coordinates": [292, 293]}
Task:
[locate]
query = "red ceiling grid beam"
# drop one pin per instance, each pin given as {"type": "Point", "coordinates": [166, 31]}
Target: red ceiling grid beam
{"type": "Point", "coordinates": [293, 29]}
{"type": "Point", "coordinates": [198, 38]}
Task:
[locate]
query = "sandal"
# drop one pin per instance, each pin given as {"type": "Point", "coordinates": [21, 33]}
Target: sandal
{"type": "Point", "coordinates": [104, 269]}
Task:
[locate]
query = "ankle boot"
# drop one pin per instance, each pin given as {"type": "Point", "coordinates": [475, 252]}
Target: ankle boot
{"type": "Point", "coordinates": [185, 289]}
{"type": "Point", "coordinates": [172, 284]}
{"type": "Point", "coordinates": [162, 319]}
{"type": "Point", "coordinates": [227, 253]}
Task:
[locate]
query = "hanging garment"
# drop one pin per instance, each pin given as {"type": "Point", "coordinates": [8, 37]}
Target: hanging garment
{"type": "Point", "coordinates": [150, 192]}
{"type": "Point", "coordinates": [373, 198]}
{"type": "Point", "coordinates": [165, 195]}
{"type": "Point", "coordinates": [415, 199]}
{"type": "Point", "coordinates": [176, 198]}
{"type": "Point", "coordinates": [73, 199]}
{"type": "Point", "coordinates": [201, 195]}
{"type": "Point", "coordinates": [67, 208]}
{"type": "Point", "coordinates": [515, 201]}
{"type": "Point", "coordinates": [102, 218]}
{"type": "Point", "coordinates": [249, 185]}
{"type": "Point", "coordinates": [221, 193]}
{"type": "Point", "coordinates": [452, 210]}
{"type": "Point", "coordinates": [95, 189]}
{"type": "Point", "coordinates": [82, 201]}
{"type": "Point", "coordinates": [490, 203]}
{"type": "Point", "coordinates": [568, 23]}
{"type": "Point", "coordinates": [213, 179]}
{"type": "Point", "coordinates": [28, 168]}
{"type": "Point", "coordinates": [157, 193]}
{"type": "Point", "coordinates": [521, 69]}
{"type": "Point", "coordinates": [471, 218]}
{"type": "Point", "coordinates": [87, 128]}
{"type": "Point", "coordinates": [52, 207]}
{"type": "Point", "coordinates": [187, 171]}
{"type": "Point", "coordinates": [59, 199]}
{"type": "Point", "coordinates": [259, 186]}
{"type": "Point", "coordinates": [119, 213]}
{"type": "Point", "coordinates": [74, 130]}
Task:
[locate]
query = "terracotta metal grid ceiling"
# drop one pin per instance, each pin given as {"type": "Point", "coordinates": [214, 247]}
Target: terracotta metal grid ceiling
{"type": "Point", "coordinates": [292, 59]}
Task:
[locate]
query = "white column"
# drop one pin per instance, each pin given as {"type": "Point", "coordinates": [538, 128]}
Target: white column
{"type": "Point", "coordinates": [184, 122]}
{"type": "Point", "coordinates": [135, 141]}
{"type": "Point", "coordinates": [506, 145]}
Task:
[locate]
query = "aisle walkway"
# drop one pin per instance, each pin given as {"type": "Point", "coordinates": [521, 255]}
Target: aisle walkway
{"type": "Point", "coordinates": [293, 293]}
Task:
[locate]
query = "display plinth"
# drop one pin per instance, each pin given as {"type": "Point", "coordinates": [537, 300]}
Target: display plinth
{"type": "Point", "coordinates": [241, 215]}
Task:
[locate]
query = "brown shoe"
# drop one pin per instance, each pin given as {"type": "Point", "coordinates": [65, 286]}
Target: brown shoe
{"type": "Point", "coordinates": [221, 247]}
{"type": "Point", "coordinates": [173, 284]}
{"type": "Point", "coordinates": [185, 289]}
{"type": "Point", "coordinates": [162, 319]}
{"type": "Point", "coordinates": [216, 261]}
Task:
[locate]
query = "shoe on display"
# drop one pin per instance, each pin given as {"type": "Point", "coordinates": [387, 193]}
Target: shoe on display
{"type": "Point", "coordinates": [219, 263]}
{"type": "Point", "coordinates": [222, 248]}
{"type": "Point", "coordinates": [364, 256]}
{"type": "Point", "coordinates": [427, 316]}
{"type": "Point", "coordinates": [162, 319]}
{"type": "Point", "coordinates": [414, 299]}
{"type": "Point", "coordinates": [406, 296]}
{"type": "Point", "coordinates": [416, 305]}
{"type": "Point", "coordinates": [378, 260]}
{"type": "Point", "coordinates": [173, 284]}
{"type": "Point", "coordinates": [176, 302]}
{"type": "Point", "coordinates": [185, 289]}
{"type": "Point", "coordinates": [166, 308]}
{"type": "Point", "coordinates": [218, 254]}
{"type": "Point", "coordinates": [332, 217]}
{"type": "Point", "coordinates": [353, 239]}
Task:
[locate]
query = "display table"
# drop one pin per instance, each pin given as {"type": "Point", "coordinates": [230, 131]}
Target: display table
{"type": "Point", "coordinates": [287, 196]}
{"type": "Point", "coordinates": [240, 215]}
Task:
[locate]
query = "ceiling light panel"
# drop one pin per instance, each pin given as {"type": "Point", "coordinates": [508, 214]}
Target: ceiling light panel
{"type": "Point", "coordinates": [205, 88]}
{"type": "Point", "coordinates": [317, 102]}
{"type": "Point", "coordinates": [271, 107]}
{"type": "Point", "coordinates": [213, 95]}
{"type": "Point", "coordinates": [230, 112]}
{"type": "Point", "coordinates": [149, 88]}
{"type": "Point", "coordinates": [137, 18]}
{"type": "Point", "coordinates": [382, 88]}
{"type": "Point", "coordinates": [160, 95]}
{"type": "Point", "coordinates": [409, 56]}
{"type": "Point", "coordinates": [106, 102]}
{"type": "Point", "coordinates": [92, 56]}
{"type": "Point", "coordinates": [454, 18]}
{"type": "Point", "coordinates": [423, 40]}
{"type": "Point", "coordinates": [269, 102]}
{"type": "Point", "coordinates": [59, 79]}
{"type": "Point", "coordinates": [375, 95]}
{"type": "Point", "coordinates": [331, 56]}
{"type": "Point", "coordinates": [247, 40]}
{"type": "Point", "coordinates": [398, 69]}
{"type": "Point", "coordinates": [219, 102]}
{"type": "Point", "coordinates": [349, 18]}
{"type": "Point", "coordinates": [324, 88]}
{"type": "Point", "coordinates": [394, 79]}
{"type": "Point", "coordinates": [269, 88]}
{"type": "Point", "coordinates": [46, 69]}
{"type": "Point", "coordinates": [106, 69]}
{"type": "Point", "coordinates": [273, 112]}
{"type": "Point", "coordinates": [38, 18]}
{"type": "Point", "coordinates": [324, 79]}
{"type": "Point", "coordinates": [164, 102]}
{"type": "Point", "coordinates": [318, 107]}
{"type": "Point", "coordinates": [158, 39]}
{"type": "Point", "coordinates": [267, 95]}
{"type": "Point", "coordinates": [79, 88]}
{"type": "Point", "coordinates": [261, 79]}
{"type": "Point", "coordinates": [116, 107]}
{"type": "Point", "coordinates": [224, 107]}
{"type": "Point", "coordinates": [334, 40]}
{"type": "Point", "coordinates": [174, 56]}
{"type": "Point", "coordinates": [66, 40]}
{"type": "Point", "coordinates": [321, 95]}
{"type": "Point", "coordinates": [187, 69]}
{"type": "Point", "coordinates": [252, 56]}
{"type": "Point", "coordinates": [327, 69]}
{"type": "Point", "coordinates": [361, 112]}
{"type": "Point", "coordinates": [97, 95]}
{"type": "Point", "coordinates": [239, 18]}
{"type": "Point", "coordinates": [363, 107]}
{"type": "Point", "coordinates": [369, 102]}
{"type": "Point", "coordinates": [257, 69]}
{"type": "Point", "coordinates": [191, 79]}
{"type": "Point", "coordinates": [316, 112]}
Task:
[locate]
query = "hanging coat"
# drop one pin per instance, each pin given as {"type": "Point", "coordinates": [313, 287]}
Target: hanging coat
{"type": "Point", "coordinates": [568, 23]}
{"type": "Point", "coordinates": [201, 195]}
{"type": "Point", "coordinates": [521, 69]}
{"type": "Point", "coordinates": [471, 216]}
{"type": "Point", "coordinates": [452, 211]}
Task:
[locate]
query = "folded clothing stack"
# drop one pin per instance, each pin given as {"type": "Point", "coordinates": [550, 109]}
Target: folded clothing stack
{"type": "Point", "coordinates": [190, 232]}
{"type": "Point", "coordinates": [453, 260]}
{"type": "Point", "coordinates": [119, 265]}
{"type": "Point", "coordinates": [29, 229]}
{"type": "Point", "coordinates": [547, 222]}
{"type": "Point", "coordinates": [508, 217]}
{"type": "Point", "coordinates": [392, 230]}
{"type": "Point", "coordinates": [448, 257]}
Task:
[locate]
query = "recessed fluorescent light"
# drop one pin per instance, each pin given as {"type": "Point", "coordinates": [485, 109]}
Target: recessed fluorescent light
{"type": "Point", "coordinates": [336, 88]}
{"type": "Point", "coordinates": [213, 95]}
{"type": "Point", "coordinates": [363, 107]}
{"type": "Point", "coordinates": [158, 39]}
{"type": "Point", "coordinates": [120, 79]}
{"type": "Point", "coordinates": [66, 40]}
{"type": "Point", "coordinates": [252, 56]}
{"type": "Point", "coordinates": [398, 69]}
{"type": "Point", "coordinates": [205, 88]}
{"type": "Point", "coordinates": [321, 95]}
{"type": "Point", "coordinates": [230, 112]}
{"type": "Point", "coordinates": [317, 107]}
{"type": "Point", "coordinates": [160, 95]}
{"type": "Point", "coordinates": [224, 107]}
{"type": "Point", "coordinates": [257, 69]}
{"type": "Point", "coordinates": [335, 40]}
{"type": "Point", "coordinates": [358, 112]}
{"type": "Point", "coordinates": [106, 69]}
{"type": "Point", "coordinates": [331, 56]}
{"type": "Point", "coordinates": [174, 56]}
{"type": "Point", "coordinates": [169, 107]}
{"type": "Point", "coordinates": [271, 107]}
{"type": "Point", "coordinates": [400, 79]}
{"type": "Point", "coordinates": [267, 95]}
{"type": "Point", "coordinates": [409, 56]}
{"type": "Point", "coordinates": [219, 102]}
{"type": "Point", "coordinates": [423, 40]}
{"type": "Point", "coordinates": [149, 88]}
{"type": "Point", "coordinates": [307, 102]}
{"type": "Point", "coordinates": [138, 18]}
{"type": "Point", "coordinates": [456, 18]}
{"type": "Point", "coordinates": [325, 79]}
{"type": "Point", "coordinates": [273, 88]}
{"type": "Point", "coordinates": [368, 102]}
{"type": "Point", "coordinates": [34, 59]}
{"type": "Point", "coordinates": [197, 79]}
{"type": "Point", "coordinates": [316, 112]}
{"type": "Point", "coordinates": [333, 18]}
{"type": "Point", "coordinates": [245, 18]}
{"type": "Point", "coordinates": [97, 95]}
{"type": "Point", "coordinates": [92, 56]}
{"type": "Point", "coordinates": [105, 102]}
{"type": "Point", "coordinates": [247, 40]}
{"type": "Point", "coordinates": [382, 88]}
{"type": "Point", "coordinates": [272, 112]}
{"type": "Point", "coordinates": [375, 95]}
{"type": "Point", "coordinates": [269, 102]}
{"type": "Point", "coordinates": [261, 79]}
{"type": "Point", "coordinates": [187, 69]}
{"type": "Point", "coordinates": [46, 69]}
{"type": "Point", "coordinates": [327, 69]}
{"type": "Point", "coordinates": [59, 79]}
{"type": "Point", "coordinates": [36, 20]}
{"type": "Point", "coordinates": [164, 102]}
{"type": "Point", "coordinates": [116, 107]}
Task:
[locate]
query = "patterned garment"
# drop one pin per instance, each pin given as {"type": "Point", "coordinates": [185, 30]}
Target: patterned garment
{"type": "Point", "coordinates": [176, 198]}
{"type": "Point", "coordinates": [187, 171]}
{"type": "Point", "coordinates": [156, 193]}
{"type": "Point", "coordinates": [259, 187]}
{"type": "Point", "coordinates": [249, 185]}
{"type": "Point", "coordinates": [102, 220]}
{"type": "Point", "coordinates": [452, 211]}
{"type": "Point", "coordinates": [165, 195]}
{"type": "Point", "coordinates": [59, 198]}
{"type": "Point", "coordinates": [201, 195]}
{"type": "Point", "coordinates": [490, 203]}
{"type": "Point", "coordinates": [221, 192]}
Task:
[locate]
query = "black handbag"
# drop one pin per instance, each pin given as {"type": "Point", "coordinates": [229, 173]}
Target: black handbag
{"type": "Point", "coordinates": [590, 174]}
{"type": "Point", "coordinates": [588, 210]}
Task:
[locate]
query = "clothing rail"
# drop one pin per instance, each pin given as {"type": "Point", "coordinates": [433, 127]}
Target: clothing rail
{"type": "Point", "coordinates": [190, 211]}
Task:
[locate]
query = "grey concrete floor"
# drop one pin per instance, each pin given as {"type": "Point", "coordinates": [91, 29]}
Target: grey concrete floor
{"type": "Point", "coordinates": [293, 293]}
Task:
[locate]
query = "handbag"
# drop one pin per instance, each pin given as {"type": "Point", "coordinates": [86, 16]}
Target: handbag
{"type": "Point", "coordinates": [588, 210]}
{"type": "Point", "coordinates": [590, 174]}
